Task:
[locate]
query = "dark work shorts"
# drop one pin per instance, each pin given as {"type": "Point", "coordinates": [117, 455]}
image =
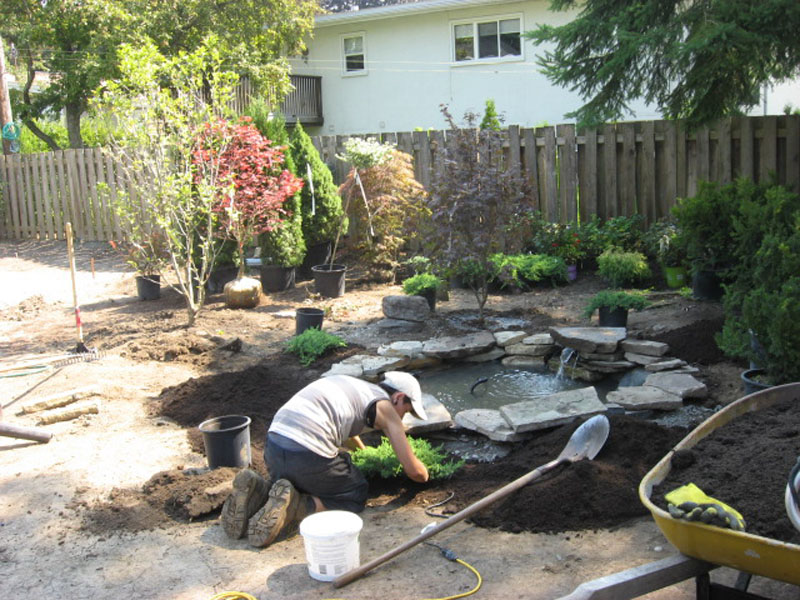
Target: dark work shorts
{"type": "Point", "coordinates": [335, 481]}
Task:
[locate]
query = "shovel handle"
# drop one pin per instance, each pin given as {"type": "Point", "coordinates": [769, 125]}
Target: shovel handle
{"type": "Point", "coordinates": [504, 491]}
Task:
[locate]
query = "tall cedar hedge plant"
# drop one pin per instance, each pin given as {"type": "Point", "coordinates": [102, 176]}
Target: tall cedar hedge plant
{"type": "Point", "coordinates": [474, 203]}
{"type": "Point", "coordinates": [321, 209]}
{"type": "Point", "coordinates": [390, 215]}
{"type": "Point", "coordinates": [283, 246]}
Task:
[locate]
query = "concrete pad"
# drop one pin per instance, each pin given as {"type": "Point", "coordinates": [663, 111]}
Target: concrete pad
{"type": "Point", "coordinates": [648, 347]}
{"type": "Point", "coordinates": [589, 339]}
{"type": "Point", "coordinates": [680, 384]}
{"type": "Point", "coordinates": [644, 397]}
{"type": "Point", "coordinates": [504, 338]}
{"type": "Point", "coordinates": [459, 346]}
{"type": "Point", "coordinates": [529, 349]}
{"type": "Point", "coordinates": [489, 356]}
{"type": "Point", "coordinates": [551, 411]}
{"type": "Point", "coordinates": [438, 417]}
{"type": "Point", "coordinates": [488, 422]}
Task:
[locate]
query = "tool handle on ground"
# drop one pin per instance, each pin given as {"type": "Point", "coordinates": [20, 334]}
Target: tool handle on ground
{"type": "Point", "coordinates": [25, 433]}
{"type": "Point", "coordinates": [507, 489]}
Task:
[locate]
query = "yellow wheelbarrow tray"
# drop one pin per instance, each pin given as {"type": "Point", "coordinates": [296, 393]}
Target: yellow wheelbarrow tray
{"type": "Point", "coordinates": [740, 550]}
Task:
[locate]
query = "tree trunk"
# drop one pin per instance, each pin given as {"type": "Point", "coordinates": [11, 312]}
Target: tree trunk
{"type": "Point", "coordinates": [74, 111]}
{"type": "Point", "coordinates": [26, 100]}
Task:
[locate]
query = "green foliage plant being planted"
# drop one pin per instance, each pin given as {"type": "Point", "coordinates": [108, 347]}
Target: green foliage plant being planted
{"type": "Point", "coordinates": [419, 284]}
{"type": "Point", "coordinates": [312, 344]}
{"type": "Point", "coordinates": [381, 461]}
{"type": "Point", "coordinates": [621, 268]}
{"type": "Point", "coordinates": [616, 299]}
{"type": "Point", "coordinates": [523, 271]}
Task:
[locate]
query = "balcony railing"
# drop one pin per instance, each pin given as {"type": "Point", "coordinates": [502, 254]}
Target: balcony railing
{"type": "Point", "coordinates": [304, 103]}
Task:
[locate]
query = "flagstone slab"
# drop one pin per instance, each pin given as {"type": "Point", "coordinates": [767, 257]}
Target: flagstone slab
{"type": "Point", "coordinates": [459, 346]}
{"type": "Point", "coordinates": [645, 397]}
{"type": "Point", "coordinates": [589, 339]}
{"type": "Point", "coordinates": [488, 422]}
{"type": "Point", "coordinates": [681, 384]}
{"type": "Point", "coordinates": [648, 347]}
{"type": "Point", "coordinates": [553, 410]}
{"type": "Point", "coordinates": [439, 417]}
{"type": "Point", "coordinates": [504, 338]}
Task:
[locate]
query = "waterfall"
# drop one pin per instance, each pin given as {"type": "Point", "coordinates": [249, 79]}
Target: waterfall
{"type": "Point", "coordinates": [566, 356]}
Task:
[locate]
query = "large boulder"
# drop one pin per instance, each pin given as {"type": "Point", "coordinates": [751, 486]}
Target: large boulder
{"type": "Point", "coordinates": [406, 308]}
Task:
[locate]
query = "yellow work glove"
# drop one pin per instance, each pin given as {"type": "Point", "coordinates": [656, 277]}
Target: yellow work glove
{"type": "Point", "coordinates": [691, 503]}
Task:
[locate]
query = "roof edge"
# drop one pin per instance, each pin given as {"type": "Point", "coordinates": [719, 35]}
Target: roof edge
{"type": "Point", "coordinates": [397, 10]}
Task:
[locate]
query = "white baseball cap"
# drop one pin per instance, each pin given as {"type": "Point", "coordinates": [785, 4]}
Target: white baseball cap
{"type": "Point", "coordinates": [408, 384]}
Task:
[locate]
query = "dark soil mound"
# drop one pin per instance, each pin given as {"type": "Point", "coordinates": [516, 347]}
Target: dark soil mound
{"type": "Point", "coordinates": [695, 343]}
{"type": "Point", "coordinates": [746, 464]}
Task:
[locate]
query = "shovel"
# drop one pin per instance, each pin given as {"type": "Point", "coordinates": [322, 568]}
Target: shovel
{"type": "Point", "coordinates": [585, 442]}
{"type": "Point", "coordinates": [81, 347]}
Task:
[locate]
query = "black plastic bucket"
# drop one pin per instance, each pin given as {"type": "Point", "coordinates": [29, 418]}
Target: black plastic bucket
{"type": "Point", "coordinates": [307, 317]}
{"type": "Point", "coordinates": [706, 285]}
{"type": "Point", "coordinates": [329, 280]}
{"type": "Point", "coordinates": [617, 317]}
{"type": "Point", "coordinates": [227, 441]}
{"type": "Point", "coordinates": [148, 287]}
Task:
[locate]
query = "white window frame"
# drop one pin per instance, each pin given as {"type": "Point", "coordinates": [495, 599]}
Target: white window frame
{"type": "Point", "coordinates": [342, 38]}
{"type": "Point", "coordinates": [474, 22]}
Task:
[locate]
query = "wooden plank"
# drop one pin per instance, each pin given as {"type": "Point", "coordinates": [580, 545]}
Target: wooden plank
{"type": "Point", "coordinates": [628, 170]}
{"type": "Point", "coordinates": [58, 225]}
{"type": "Point", "coordinates": [514, 150]}
{"type": "Point", "coordinates": [724, 174]}
{"type": "Point", "coordinates": [680, 148]}
{"type": "Point", "coordinates": [587, 185]}
{"type": "Point", "coordinates": [550, 191]}
{"type": "Point", "coordinates": [30, 203]}
{"type": "Point", "coordinates": [669, 178]}
{"type": "Point", "coordinates": [793, 152]}
{"type": "Point", "coordinates": [74, 216]}
{"type": "Point", "coordinates": [641, 580]}
{"type": "Point", "coordinates": [47, 194]}
{"type": "Point", "coordinates": [647, 193]}
{"type": "Point", "coordinates": [11, 195]}
{"type": "Point", "coordinates": [568, 176]}
{"type": "Point", "coordinates": [746, 148]}
{"type": "Point", "coordinates": [610, 170]}
{"type": "Point", "coordinates": [422, 161]}
{"type": "Point", "coordinates": [532, 167]}
{"type": "Point", "coordinates": [95, 229]}
{"type": "Point", "coordinates": [768, 156]}
{"type": "Point", "coordinates": [703, 137]}
{"type": "Point", "coordinates": [37, 180]}
{"type": "Point", "coordinates": [113, 181]}
{"type": "Point", "coordinates": [64, 191]}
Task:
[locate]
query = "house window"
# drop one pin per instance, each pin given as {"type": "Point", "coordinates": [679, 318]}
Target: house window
{"type": "Point", "coordinates": [354, 53]}
{"type": "Point", "coordinates": [496, 38]}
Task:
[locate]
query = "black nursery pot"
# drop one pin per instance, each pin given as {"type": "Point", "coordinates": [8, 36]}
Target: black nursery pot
{"type": "Point", "coordinates": [277, 279]}
{"type": "Point", "coordinates": [329, 280]}
{"type": "Point", "coordinates": [617, 317]}
{"type": "Point", "coordinates": [305, 318]}
{"type": "Point", "coordinates": [148, 287]}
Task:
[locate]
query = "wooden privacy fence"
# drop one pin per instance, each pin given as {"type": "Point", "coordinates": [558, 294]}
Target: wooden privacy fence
{"type": "Point", "coordinates": [619, 169]}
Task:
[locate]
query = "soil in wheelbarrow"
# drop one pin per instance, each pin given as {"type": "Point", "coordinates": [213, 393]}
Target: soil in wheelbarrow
{"type": "Point", "coordinates": [746, 464]}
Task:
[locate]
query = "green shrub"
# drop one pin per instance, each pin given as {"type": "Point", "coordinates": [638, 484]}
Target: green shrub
{"type": "Point", "coordinates": [420, 283]}
{"type": "Point", "coordinates": [621, 268]}
{"type": "Point", "coordinates": [624, 232]}
{"type": "Point", "coordinates": [525, 270]}
{"type": "Point", "coordinates": [380, 461]}
{"type": "Point", "coordinates": [312, 344]}
{"type": "Point", "coordinates": [614, 299]}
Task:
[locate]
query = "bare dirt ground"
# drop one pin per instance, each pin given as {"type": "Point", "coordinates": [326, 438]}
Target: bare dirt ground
{"type": "Point", "coordinates": [103, 509]}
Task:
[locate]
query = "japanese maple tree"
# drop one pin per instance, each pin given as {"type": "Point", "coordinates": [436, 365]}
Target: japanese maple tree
{"type": "Point", "coordinates": [255, 184]}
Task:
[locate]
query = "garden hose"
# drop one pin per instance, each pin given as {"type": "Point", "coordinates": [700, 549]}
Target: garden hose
{"type": "Point", "coordinates": [26, 370]}
{"type": "Point", "coordinates": [232, 596]}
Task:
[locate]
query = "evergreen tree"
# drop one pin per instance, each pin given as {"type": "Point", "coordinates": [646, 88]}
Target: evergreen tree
{"type": "Point", "coordinates": [283, 246]}
{"type": "Point", "coordinates": [322, 211]}
{"type": "Point", "coordinates": [490, 119]}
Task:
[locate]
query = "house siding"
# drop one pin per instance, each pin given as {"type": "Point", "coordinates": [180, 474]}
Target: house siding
{"type": "Point", "coordinates": [410, 73]}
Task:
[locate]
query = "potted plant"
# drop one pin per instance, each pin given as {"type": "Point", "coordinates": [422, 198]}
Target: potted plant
{"type": "Point", "coordinates": [621, 268]}
{"type": "Point", "coordinates": [425, 285]}
{"type": "Point", "coordinates": [566, 244]}
{"type": "Point", "coordinates": [321, 207]}
{"type": "Point", "coordinates": [613, 306]}
{"type": "Point", "coordinates": [148, 255]}
{"type": "Point", "coordinates": [706, 225]}
{"type": "Point", "coordinates": [662, 244]}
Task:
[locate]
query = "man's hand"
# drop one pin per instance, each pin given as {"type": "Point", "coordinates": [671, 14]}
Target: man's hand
{"type": "Point", "coordinates": [354, 443]}
{"type": "Point", "coordinates": [388, 421]}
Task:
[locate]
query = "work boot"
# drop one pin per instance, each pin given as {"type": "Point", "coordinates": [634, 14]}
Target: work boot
{"type": "Point", "coordinates": [276, 516]}
{"type": "Point", "coordinates": [250, 492]}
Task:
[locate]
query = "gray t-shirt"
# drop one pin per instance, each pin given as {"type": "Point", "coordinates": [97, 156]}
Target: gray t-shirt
{"type": "Point", "coordinates": [325, 413]}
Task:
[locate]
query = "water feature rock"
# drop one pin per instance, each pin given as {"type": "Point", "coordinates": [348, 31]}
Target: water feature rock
{"type": "Point", "coordinates": [354, 370]}
{"type": "Point", "coordinates": [680, 384]}
{"type": "Point", "coordinates": [491, 355]}
{"type": "Point", "coordinates": [529, 349]}
{"type": "Point", "coordinates": [438, 417]}
{"type": "Point", "coordinates": [375, 365]}
{"type": "Point", "coordinates": [603, 357]}
{"type": "Point", "coordinates": [488, 422]}
{"type": "Point", "coordinates": [551, 411]}
{"type": "Point", "coordinates": [647, 347]}
{"type": "Point", "coordinates": [589, 339]}
{"type": "Point", "coordinates": [644, 397]}
{"type": "Point", "coordinates": [608, 366]}
{"type": "Point", "coordinates": [459, 347]}
{"type": "Point", "coordinates": [666, 365]}
{"type": "Point", "coordinates": [539, 339]}
{"type": "Point", "coordinates": [399, 325]}
{"type": "Point", "coordinates": [522, 361]}
{"type": "Point", "coordinates": [573, 371]}
{"type": "Point", "coordinates": [408, 308]}
{"type": "Point", "coordinates": [641, 359]}
{"type": "Point", "coordinates": [504, 338]}
{"type": "Point", "coordinates": [409, 349]}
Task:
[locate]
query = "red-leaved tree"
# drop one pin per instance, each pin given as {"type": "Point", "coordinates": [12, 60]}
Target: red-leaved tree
{"type": "Point", "coordinates": [255, 185]}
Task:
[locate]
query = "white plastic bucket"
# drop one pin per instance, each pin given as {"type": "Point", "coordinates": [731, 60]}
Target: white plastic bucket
{"type": "Point", "coordinates": [331, 542]}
